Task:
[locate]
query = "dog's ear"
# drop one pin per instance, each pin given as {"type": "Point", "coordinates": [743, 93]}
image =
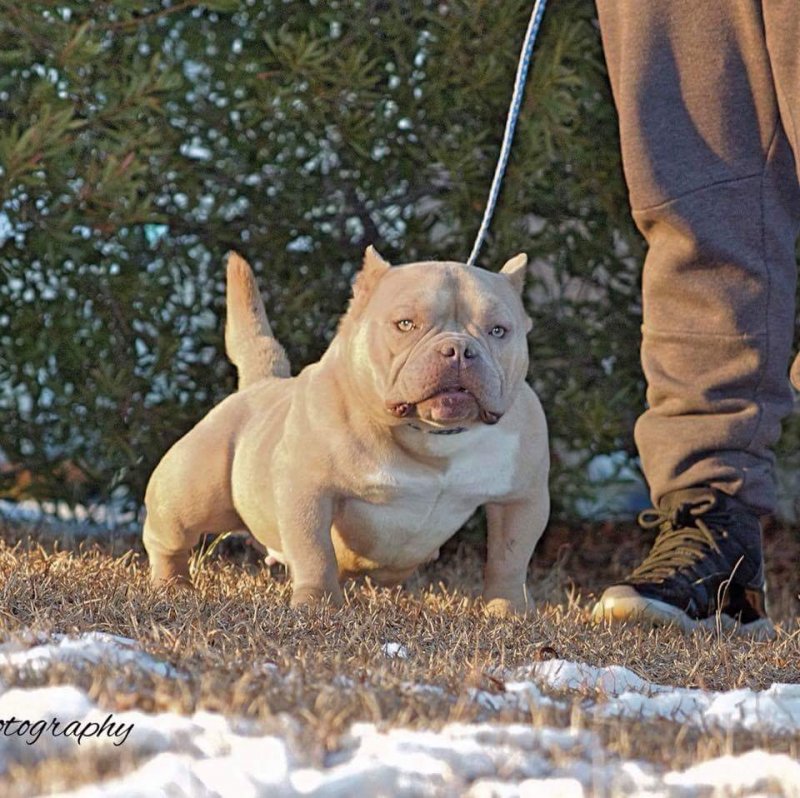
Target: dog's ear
{"type": "Point", "coordinates": [372, 269]}
{"type": "Point", "coordinates": [795, 373]}
{"type": "Point", "coordinates": [515, 269]}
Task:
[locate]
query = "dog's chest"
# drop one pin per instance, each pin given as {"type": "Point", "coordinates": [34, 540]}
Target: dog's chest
{"type": "Point", "coordinates": [405, 513]}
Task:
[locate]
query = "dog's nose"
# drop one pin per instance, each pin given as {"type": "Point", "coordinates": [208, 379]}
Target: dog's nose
{"type": "Point", "coordinates": [458, 350]}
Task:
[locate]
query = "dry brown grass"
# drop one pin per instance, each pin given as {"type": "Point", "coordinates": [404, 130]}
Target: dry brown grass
{"type": "Point", "coordinates": [224, 635]}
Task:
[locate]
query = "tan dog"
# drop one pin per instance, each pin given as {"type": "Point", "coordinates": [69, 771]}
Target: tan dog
{"type": "Point", "coordinates": [371, 458]}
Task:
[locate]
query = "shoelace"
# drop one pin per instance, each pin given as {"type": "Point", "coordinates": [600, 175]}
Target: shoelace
{"type": "Point", "coordinates": [683, 541]}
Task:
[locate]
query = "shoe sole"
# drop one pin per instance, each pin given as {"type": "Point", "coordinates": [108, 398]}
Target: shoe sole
{"type": "Point", "coordinates": [635, 608]}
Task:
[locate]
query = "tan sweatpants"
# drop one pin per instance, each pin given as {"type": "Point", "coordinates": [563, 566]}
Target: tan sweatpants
{"type": "Point", "coordinates": [708, 95]}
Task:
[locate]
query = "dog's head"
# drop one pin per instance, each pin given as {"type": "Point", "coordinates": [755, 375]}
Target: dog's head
{"type": "Point", "coordinates": [437, 341]}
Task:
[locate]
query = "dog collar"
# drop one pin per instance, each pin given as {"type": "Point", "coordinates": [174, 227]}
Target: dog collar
{"type": "Point", "coordinates": [453, 431]}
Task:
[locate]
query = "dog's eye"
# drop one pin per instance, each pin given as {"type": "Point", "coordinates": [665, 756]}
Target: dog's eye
{"type": "Point", "coordinates": [405, 325]}
{"type": "Point", "coordinates": [498, 331]}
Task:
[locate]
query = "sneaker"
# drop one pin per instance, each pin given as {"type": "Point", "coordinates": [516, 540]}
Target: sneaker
{"type": "Point", "coordinates": [705, 570]}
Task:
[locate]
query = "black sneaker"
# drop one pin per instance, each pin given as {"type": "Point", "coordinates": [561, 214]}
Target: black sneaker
{"type": "Point", "coordinates": [705, 570]}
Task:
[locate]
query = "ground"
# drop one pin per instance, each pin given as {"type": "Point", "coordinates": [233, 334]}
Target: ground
{"type": "Point", "coordinates": [410, 691]}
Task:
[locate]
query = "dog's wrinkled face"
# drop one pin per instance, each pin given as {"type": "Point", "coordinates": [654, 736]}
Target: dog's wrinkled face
{"type": "Point", "coordinates": [440, 342]}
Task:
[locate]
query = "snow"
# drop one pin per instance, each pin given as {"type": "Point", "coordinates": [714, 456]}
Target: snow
{"type": "Point", "coordinates": [394, 650]}
{"type": "Point", "coordinates": [90, 648]}
{"type": "Point", "coordinates": [60, 520]}
{"type": "Point", "coordinates": [624, 694]}
{"type": "Point", "coordinates": [754, 770]}
{"type": "Point", "coordinates": [207, 754]}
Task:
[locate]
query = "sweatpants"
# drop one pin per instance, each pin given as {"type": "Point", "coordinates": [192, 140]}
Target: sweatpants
{"type": "Point", "coordinates": [708, 97]}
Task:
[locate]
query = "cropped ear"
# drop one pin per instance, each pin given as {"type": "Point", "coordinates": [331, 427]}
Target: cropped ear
{"type": "Point", "coordinates": [515, 270]}
{"type": "Point", "coordinates": [372, 269]}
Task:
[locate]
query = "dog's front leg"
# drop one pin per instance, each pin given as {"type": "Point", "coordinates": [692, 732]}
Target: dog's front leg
{"type": "Point", "coordinates": [514, 530]}
{"type": "Point", "coordinates": [304, 520]}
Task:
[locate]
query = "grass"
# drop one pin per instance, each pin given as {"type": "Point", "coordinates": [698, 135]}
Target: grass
{"type": "Point", "coordinates": [244, 652]}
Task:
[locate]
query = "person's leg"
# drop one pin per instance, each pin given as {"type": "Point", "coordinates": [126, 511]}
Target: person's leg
{"type": "Point", "coordinates": [782, 27]}
{"type": "Point", "coordinates": [713, 189]}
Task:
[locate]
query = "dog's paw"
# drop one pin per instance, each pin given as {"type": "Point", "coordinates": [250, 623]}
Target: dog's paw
{"type": "Point", "coordinates": [172, 582]}
{"type": "Point", "coordinates": [316, 597]}
{"type": "Point", "coordinates": [170, 570]}
{"type": "Point", "coordinates": [505, 608]}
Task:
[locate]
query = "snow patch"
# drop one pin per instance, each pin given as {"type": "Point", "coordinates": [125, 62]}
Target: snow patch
{"type": "Point", "coordinates": [752, 771]}
{"type": "Point", "coordinates": [209, 754]}
{"type": "Point", "coordinates": [90, 648]}
{"type": "Point", "coordinates": [57, 519]}
{"type": "Point", "coordinates": [394, 650]}
{"type": "Point", "coordinates": [616, 691]}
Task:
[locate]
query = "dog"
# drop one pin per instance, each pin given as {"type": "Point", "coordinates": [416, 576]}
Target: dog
{"type": "Point", "coordinates": [371, 458]}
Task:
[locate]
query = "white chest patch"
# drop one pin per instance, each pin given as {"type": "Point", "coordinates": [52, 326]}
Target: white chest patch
{"type": "Point", "coordinates": [404, 514]}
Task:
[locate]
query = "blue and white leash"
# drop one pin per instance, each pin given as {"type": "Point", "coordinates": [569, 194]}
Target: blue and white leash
{"type": "Point", "coordinates": [511, 123]}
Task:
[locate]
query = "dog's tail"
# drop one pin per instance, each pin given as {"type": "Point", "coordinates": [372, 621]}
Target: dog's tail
{"type": "Point", "coordinates": [249, 341]}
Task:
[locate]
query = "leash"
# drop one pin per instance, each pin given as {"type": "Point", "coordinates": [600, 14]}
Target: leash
{"type": "Point", "coordinates": [511, 123]}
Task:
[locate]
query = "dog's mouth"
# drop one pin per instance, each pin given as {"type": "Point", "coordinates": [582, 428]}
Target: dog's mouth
{"type": "Point", "coordinates": [449, 404]}
{"type": "Point", "coordinates": [449, 391]}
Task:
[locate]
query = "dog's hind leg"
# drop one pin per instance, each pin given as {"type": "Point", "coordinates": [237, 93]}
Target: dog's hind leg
{"type": "Point", "coordinates": [169, 542]}
{"type": "Point", "coordinates": [182, 505]}
{"type": "Point", "coordinates": [249, 341]}
{"type": "Point", "coordinates": [167, 565]}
